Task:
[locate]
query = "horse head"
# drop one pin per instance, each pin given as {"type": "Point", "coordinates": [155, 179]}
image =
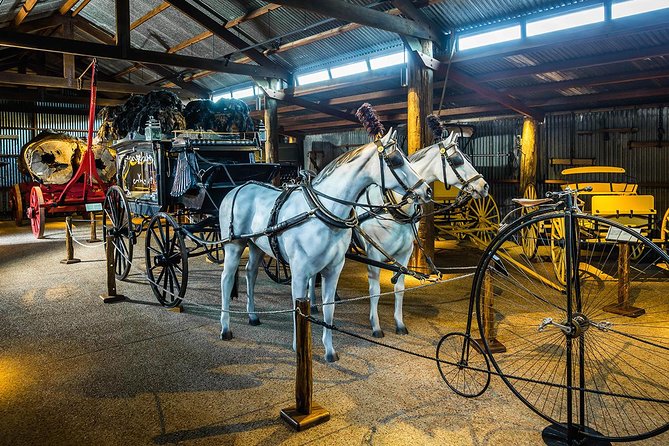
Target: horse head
{"type": "Point", "coordinates": [396, 172]}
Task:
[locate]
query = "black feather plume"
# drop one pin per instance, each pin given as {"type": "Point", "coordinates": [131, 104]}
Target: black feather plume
{"type": "Point", "coordinates": [435, 125]}
{"type": "Point", "coordinates": [370, 120]}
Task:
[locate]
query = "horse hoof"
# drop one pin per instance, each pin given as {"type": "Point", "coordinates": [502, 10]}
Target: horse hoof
{"type": "Point", "coordinates": [377, 333]}
{"type": "Point", "coordinates": [401, 331]}
{"type": "Point", "coordinates": [226, 335]}
{"type": "Point", "coordinates": [337, 297]}
{"type": "Point", "coordinates": [314, 310]}
{"type": "Point", "coordinates": [331, 357]}
{"type": "Point", "coordinates": [254, 321]}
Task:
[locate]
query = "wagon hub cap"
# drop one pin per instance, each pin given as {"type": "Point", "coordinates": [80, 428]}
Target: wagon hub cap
{"type": "Point", "coordinates": [163, 260]}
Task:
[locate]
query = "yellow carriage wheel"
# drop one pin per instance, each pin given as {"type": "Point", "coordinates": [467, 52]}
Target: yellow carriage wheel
{"type": "Point", "coordinates": [558, 250]}
{"type": "Point", "coordinates": [530, 234]}
{"type": "Point", "coordinates": [484, 214]}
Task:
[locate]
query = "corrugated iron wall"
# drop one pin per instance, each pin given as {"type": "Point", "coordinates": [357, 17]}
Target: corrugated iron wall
{"type": "Point", "coordinates": [18, 127]}
{"type": "Point", "coordinates": [495, 149]}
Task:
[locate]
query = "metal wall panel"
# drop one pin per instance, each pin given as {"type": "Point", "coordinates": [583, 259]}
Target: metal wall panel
{"type": "Point", "coordinates": [17, 128]}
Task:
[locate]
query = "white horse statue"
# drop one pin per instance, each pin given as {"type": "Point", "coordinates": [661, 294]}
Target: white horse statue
{"type": "Point", "coordinates": [313, 244]}
{"type": "Point", "coordinates": [443, 162]}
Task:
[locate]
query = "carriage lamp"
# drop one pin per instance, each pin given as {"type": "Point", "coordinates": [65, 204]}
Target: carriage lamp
{"type": "Point", "coordinates": [152, 132]}
{"type": "Point", "coordinates": [262, 132]}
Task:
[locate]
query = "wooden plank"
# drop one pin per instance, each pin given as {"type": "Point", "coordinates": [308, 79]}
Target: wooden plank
{"type": "Point", "coordinates": [27, 6]}
{"type": "Point", "coordinates": [349, 12]}
{"type": "Point", "coordinates": [252, 15]}
{"type": "Point", "coordinates": [281, 96]}
{"type": "Point", "coordinates": [149, 15]}
{"type": "Point", "coordinates": [81, 6]}
{"type": "Point", "coordinates": [192, 41]}
{"type": "Point", "coordinates": [66, 6]}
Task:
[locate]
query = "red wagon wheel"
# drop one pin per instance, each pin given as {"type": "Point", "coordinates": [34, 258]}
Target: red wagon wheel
{"type": "Point", "coordinates": [37, 212]}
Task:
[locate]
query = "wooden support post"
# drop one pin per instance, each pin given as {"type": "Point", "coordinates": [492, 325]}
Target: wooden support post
{"type": "Point", "coordinates": [488, 316]}
{"type": "Point", "coordinates": [419, 105]}
{"type": "Point", "coordinates": [69, 245]}
{"type": "Point", "coordinates": [528, 157]}
{"type": "Point", "coordinates": [94, 233]}
{"type": "Point", "coordinates": [305, 413]}
{"type": "Point", "coordinates": [111, 295]}
{"type": "Point", "coordinates": [623, 306]}
{"type": "Point", "coordinates": [272, 129]}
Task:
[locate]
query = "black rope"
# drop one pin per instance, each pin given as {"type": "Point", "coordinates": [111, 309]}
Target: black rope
{"type": "Point", "coordinates": [476, 369]}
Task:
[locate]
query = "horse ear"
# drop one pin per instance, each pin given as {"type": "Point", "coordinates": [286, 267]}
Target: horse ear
{"type": "Point", "coordinates": [388, 136]}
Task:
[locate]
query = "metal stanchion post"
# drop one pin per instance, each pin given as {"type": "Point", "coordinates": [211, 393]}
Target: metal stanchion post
{"type": "Point", "coordinates": [94, 236]}
{"type": "Point", "coordinates": [111, 295]}
{"type": "Point", "coordinates": [69, 245]}
{"type": "Point", "coordinates": [305, 413]}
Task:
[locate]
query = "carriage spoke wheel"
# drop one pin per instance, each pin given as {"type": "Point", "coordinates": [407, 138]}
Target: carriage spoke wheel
{"type": "Point", "coordinates": [166, 260]}
{"type": "Point", "coordinates": [578, 356]}
{"type": "Point", "coordinates": [37, 212]}
{"type": "Point", "coordinates": [120, 225]}
{"type": "Point", "coordinates": [16, 204]}
{"type": "Point", "coordinates": [636, 251]}
{"type": "Point", "coordinates": [485, 214]}
{"type": "Point", "coordinates": [529, 235]}
{"type": "Point", "coordinates": [214, 252]}
{"type": "Point", "coordinates": [463, 365]}
{"type": "Point", "coordinates": [557, 242]}
{"type": "Point", "coordinates": [277, 271]}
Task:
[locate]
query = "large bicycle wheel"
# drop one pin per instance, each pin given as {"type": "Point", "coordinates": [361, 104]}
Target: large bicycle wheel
{"type": "Point", "coordinates": [117, 211]}
{"type": "Point", "coordinates": [593, 351]}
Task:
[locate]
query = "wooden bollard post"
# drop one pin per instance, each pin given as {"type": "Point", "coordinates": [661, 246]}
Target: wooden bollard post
{"type": "Point", "coordinates": [94, 236]}
{"type": "Point", "coordinates": [305, 413]}
{"type": "Point", "coordinates": [69, 245]}
{"type": "Point", "coordinates": [623, 306]}
{"type": "Point", "coordinates": [488, 317]}
{"type": "Point", "coordinates": [111, 295]}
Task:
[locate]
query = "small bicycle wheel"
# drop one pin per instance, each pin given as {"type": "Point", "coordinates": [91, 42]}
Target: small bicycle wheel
{"type": "Point", "coordinates": [279, 272]}
{"type": "Point", "coordinates": [117, 211]}
{"type": "Point", "coordinates": [593, 352]}
{"type": "Point", "coordinates": [462, 365]}
{"type": "Point", "coordinates": [166, 260]}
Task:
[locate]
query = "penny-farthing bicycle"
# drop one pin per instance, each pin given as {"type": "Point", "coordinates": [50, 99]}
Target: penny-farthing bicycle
{"type": "Point", "coordinates": [590, 356]}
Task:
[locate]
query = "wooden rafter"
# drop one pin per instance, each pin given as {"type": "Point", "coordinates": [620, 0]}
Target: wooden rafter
{"type": "Point", "coordinates": [349, 12]}
{"type": "Point", "coordinates": [27, 6]}
{"type": "Point", "coordinates": [229, 25]}
{"type": "Point", "coordinates": [81, 6]}
{"type": "Point", "coordinates": [149, 15]}
{"type": "Point", "coordinates": [66, 6]}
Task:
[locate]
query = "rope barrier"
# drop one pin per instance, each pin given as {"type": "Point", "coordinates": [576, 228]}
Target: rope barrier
{"type": "Point", "coordinates": [88, 245]}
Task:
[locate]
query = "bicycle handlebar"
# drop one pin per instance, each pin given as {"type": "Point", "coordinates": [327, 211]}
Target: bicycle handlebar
{"type": "Point", "coordinates": [567, 191]}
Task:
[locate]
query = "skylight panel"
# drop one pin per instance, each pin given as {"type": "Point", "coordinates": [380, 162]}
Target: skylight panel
{"type": "Point", "coordinates": [489, 38]}
{"type": "Point", "coordinates": [565, 21]}
{"type": "Point", "coordinates": [387, 61]}
{"type": "Point", "coordinates": [317, 76]}
{"type": "Point", "coordinates": [634, 7]}
{"type": "Point", "coordinates": [243, 93]}
{"type": "Point", "coordinates": [226, 95]}
{"type": "Point", "coordinates": [347, 70]}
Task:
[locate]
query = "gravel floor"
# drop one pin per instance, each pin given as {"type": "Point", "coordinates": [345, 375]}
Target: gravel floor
{"type": "Point", "coordinates": [74, 370]}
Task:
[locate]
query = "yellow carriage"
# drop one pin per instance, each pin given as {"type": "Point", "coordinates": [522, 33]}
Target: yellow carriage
{"type": "Point", "coordinates": [477, 220]}
{"type": "Point", "coordinates": [615, 200]}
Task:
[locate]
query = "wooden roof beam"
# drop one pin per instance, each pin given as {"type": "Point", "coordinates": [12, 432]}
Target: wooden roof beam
{"type": "Point", "coordinates": [326, 109]}
{"type": "Point", "coordinates": [26, 8]}
{"type": "Point", "coordinates": [102, 51]}
{"type": "Point", "coordinates": [81, 6]}
{"type": "Point", "coordinates": [66, 6]}
{"type": "Point", "coordinates": [222, 32]}
{"type": "Point", "coordinates": [361, 15]}
{"type": "Point", "coordinates": [149, 15]}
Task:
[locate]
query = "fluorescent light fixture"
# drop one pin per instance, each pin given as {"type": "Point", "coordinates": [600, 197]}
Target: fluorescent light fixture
{"type": "Point", "coordinates": [565, 21]}
{"type": "Point", "coordinates": [633, 7]}
{"type": "Point", "coordinates": [317, 76]}
{"type": "Point", "coordinates": [243, 93]}
{"type": "Point", "coordinates": [347, 70]}
{"type": "Point", "coordinates": [500, 35]}
{"type": "Point", "coordinates": [387, 61]}
{"type": "Point", "coordinates": [216, 97]}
